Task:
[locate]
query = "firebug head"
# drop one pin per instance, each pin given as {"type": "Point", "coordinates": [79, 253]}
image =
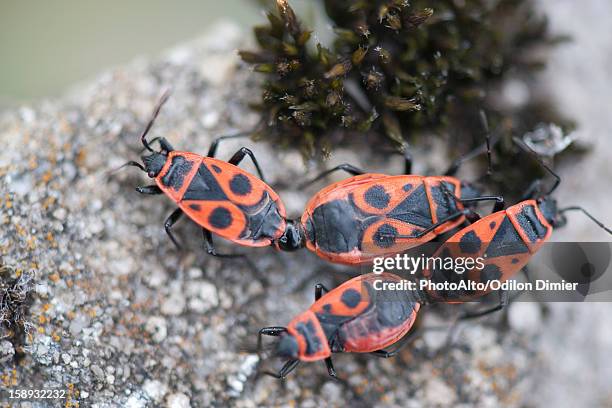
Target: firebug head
{"type": "Point", "coordinates": [287, 347]}
{"type": "Point", "coordinates": [154, 163]}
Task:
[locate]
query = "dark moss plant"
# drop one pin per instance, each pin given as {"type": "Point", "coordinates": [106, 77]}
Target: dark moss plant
{"type": "Point", "coordinates": [397, 68]}
{"type": "Point", "coordinates": [16, 297]}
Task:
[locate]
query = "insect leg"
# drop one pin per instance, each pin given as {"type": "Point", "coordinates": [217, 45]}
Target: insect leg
{"type": "Point", "coordinates": [240, 154]}
{"type": "Point", "coordinates": [268, 331]}
{"type": "Point", "coordinates": [484, 148]}
{"type": "Point", "coordinates": [319, 289]}
{"type": "Point", "coordinates": [170, 221]}
{"type": "Point", "coordinates": [407, 158]}
{"type": "Point", "coordinates": [432, 227]}
{"type": "Point", "coordinates": [533, 190]}
{"type": "Point", "coordinates": [499, 201]}
{"type": "Point", "coordinates": [163, 143]}
{"type": "Point", "coordinates": [285, 370]}
{"type": "Point", "coordinates": [212, 151]}
{"type": "Point", "coordinates": [399, 346]}
{"type": "Point", "coordinates": [210, 248]}
{"type": "Point", "coordinates": [149, 190]}
{"type": "Point", "coordinates": [503, 301]}
{"type": "Point", "coordinates": [330, 368]}
{"type": "Point", "coordinates": [349, 168]}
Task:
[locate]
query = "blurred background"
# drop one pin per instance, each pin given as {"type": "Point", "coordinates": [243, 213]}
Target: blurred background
{"type": "Point", "coordinates": [47, 46]}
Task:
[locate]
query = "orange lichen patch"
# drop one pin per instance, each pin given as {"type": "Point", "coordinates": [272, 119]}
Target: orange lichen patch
{"type": "Point", "coordinates": [71, 394]}
{"type": "Point", "coordinates": [48, 202]}
{"type": "Point", "coordinates": [20, 230]}
{"type": "Point", "coordinates": [54, 277]}
{"type": "Point", "coordinates": [47, 176]}
{"type": "Point", "coordinates": [70, 315]}
{"type": "Point", "coordinates": [51, 239]}
{"type": "Point", "coordinates": [92, 313]}
{"type": "Point", "coordinates": [41, 330]}
{"type": "Point", "coordinates": [42, 319]}
{"type": "Point", "coordinates": [33, 162]}
{"type": "Point", "coordinates": [9, 378]}
{"type": "Point", "coordinates": [81, 158]}
{"type": "Point", "coordinates": [56, 337]}
{"type": "Point", "coordinates": [46, 307]}
{"type": "Point", "coordinates": [31, 243]}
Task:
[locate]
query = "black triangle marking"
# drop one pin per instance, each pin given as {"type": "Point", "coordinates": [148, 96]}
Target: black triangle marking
{"type": "Point", "coordinates": [506, 241]}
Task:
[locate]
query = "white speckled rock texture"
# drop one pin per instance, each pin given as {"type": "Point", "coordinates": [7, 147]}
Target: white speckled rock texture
{"type": "Point", "coordinates": [122, 318]}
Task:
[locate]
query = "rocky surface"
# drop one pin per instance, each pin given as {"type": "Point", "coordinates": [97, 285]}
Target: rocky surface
{"type": "Point", "coordinates": [122, 318]}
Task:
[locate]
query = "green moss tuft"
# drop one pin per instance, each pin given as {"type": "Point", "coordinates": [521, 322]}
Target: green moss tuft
{"type": "Point", "coordinates": [397, 70]}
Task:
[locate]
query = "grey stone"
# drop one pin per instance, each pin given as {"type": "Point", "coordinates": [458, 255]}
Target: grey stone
{"type": "Point", "coordinates": [131, 321]}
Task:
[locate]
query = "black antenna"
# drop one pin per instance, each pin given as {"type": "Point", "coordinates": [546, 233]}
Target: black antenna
{"type": "Point", "coordinates": [485, 125]}
{"type": "Point", "coordinates": [156, 111]}
{"type": "Point", "coordinates": [529, 150]}
{"type": "Point", "coordinates": [595, 220]}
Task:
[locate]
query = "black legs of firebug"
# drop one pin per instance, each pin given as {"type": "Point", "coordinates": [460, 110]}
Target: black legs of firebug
{"type": "Point", "coordinates": [503, 301]}
{"type": "Point", "coordinates": [274, 331]}
{"type": "Point", "coordinates": [210, 246]}
{"type": "Point", "coordinates": [285, 370]}
{"type": "Point", "coordinates": [319, 289]}
{"type": "Point", "coordinates": [290, 365]}
{"type": "Point", "coordinates": [239, 155]}
{"type": "Point", "coordinates": [484, 148]}
{"type": "Point", "coordinates": [349, 168]}
{"type": "Point", "coordinates": [212, 150]}
{"type": "Point", "coordinates": [398, 346]}
{"type": "Point", "coordinates": [163, 143]}
{"type": "Point", "coordinates": [170, 221]}
{"type": "Point", "coordinates": [499, 201]}
{"type": "Point", "coordinates": [149, 190]}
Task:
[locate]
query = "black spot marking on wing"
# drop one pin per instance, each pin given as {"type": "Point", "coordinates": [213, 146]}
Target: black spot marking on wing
{"type": "Point", "coordinates": [506, 241]}
{"type": "Point", "coordinates": [195, 207]}
{"type": "Point", "coordinates": [216, 168]}
{"type": "Point", "coordinates": [220, 218]}
{"type": "Point", "coordinates": [175, 176]}
{"type": "Point", "coordinates": [240, 185]}
{"type": "Point", "coordinates": [530, 223]}
{"type": "Point", "coordinates": [377, 197]}
{"type": "Point", "coordinates": [351, 298]}
{"type": "Point", "coordinates": [515, 260]}
{"type": "Point", "coordinates": [414, 209]}
{"type": "Point", "coordinates": [205, 187]}
{"type": "Point", "coordinates": [385, 236]}
{"type": "Point", "coordinates": [492, 225]}
{"type": "Point", "coordinates": [407, 187]}
{"type": "Point", "coordinates": [327, 308]}
{"type": "Point", "coordinates": [309, 333]}
{"type": "Point", "coordinates": [470, 243]}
